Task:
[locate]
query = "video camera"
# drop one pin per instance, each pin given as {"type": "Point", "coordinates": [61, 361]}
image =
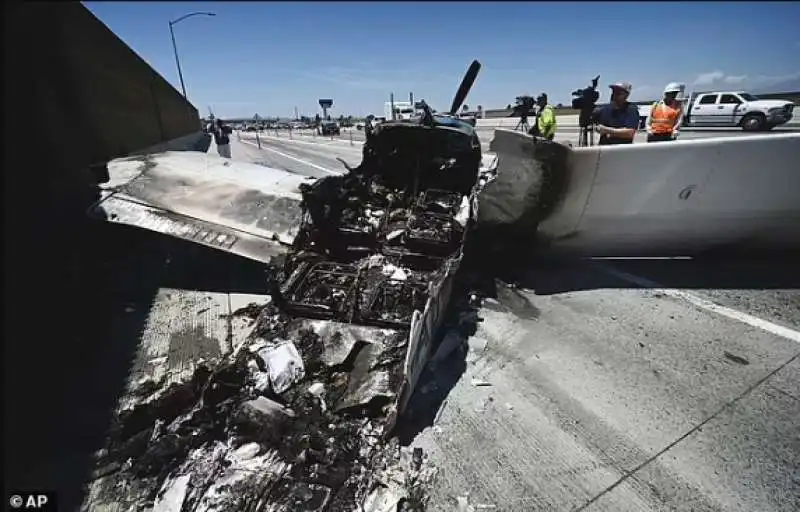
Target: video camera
{"type": "Point", "coordinates": [524, 106]}
{"type": "Point", "coordinates": [585, 100]}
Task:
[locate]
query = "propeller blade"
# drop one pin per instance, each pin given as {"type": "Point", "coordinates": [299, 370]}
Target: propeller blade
{"type": "Point", "coordinates": [466, 85]}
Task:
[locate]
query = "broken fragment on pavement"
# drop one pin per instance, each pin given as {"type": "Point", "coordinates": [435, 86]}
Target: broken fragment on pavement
{"type": "Point", "coordinates": [284, 365]}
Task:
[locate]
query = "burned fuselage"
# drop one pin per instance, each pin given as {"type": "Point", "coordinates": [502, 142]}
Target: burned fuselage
{"type": "Point", "coordinates": [378, 247]}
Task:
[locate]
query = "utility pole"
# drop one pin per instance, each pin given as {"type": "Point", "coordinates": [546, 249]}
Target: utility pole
{"type": "Point", "coordinates": [296, 117]}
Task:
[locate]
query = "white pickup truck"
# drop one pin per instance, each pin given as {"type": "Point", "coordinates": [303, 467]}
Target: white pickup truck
{"type": "Point", "coordinates": [736, 108]}
{"type": "Point", "coordinates": [730, 109]}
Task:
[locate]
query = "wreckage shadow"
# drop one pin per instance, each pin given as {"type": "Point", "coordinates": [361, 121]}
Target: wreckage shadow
{"type": "Point", "coordinates": [432, 389]}
{"type": "Point", "coordinates": [448, 361]}
{"type": "Point", "coordinates": [762, 272]}
{"type": "Point", "coordinates": [211, 270]}
{"type": "Point", "coordinates": [84, 315]}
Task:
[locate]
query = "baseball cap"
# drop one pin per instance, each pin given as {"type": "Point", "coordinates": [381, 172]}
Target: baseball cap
{"type": "Point", "coordinates": [625, 86]}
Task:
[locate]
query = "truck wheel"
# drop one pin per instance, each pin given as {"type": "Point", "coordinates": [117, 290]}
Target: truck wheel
{"type": "Point", "coordinates": [753, 122]}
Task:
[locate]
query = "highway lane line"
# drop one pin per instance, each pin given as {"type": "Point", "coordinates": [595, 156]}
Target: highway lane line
{"type": "Point", "coordinates": [752, 321]}
{"type": "Point", "coordinates": [343, 144]}
{"type": "Point", "coordinates": [290, 157]}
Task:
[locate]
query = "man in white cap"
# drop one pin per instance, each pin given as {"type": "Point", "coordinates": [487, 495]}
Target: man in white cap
{"type": "Point", "coordinates": [618, 121]}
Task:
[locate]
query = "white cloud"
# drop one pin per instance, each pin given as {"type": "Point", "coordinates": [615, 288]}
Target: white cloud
{"type": "Point", "coordinates": [731, 79]}
{"type": "Point", "coordinates": [709, 78]}
{"type": "Point", "coordinates": [717, 77]}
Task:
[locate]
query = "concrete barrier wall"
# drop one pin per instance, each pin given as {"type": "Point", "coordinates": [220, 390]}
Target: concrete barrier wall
{"type": "Point", "coordinates": [91, 97]}
{"type": "Point", "coordinates": [673, 198]}
{"type": "Point", "coordinates": [571, 121]}
{"type": "Point", "coordinates": [511, 122]}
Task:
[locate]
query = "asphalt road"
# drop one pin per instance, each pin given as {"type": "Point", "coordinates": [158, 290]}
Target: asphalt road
{"type": "Point", "coordinates": [610, 384]}
{"type": "Point", "coordinates": [564, 134]}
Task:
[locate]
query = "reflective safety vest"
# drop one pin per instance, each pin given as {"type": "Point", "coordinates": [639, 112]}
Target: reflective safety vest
{"type": "Point", "coordinates": [663, 118]}
{"type": "Point", "coordinates": [546, 122]}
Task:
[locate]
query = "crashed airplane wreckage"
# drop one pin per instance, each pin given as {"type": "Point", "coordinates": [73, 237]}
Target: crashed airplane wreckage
{"type": "Point", "coordinates": [296, 416]}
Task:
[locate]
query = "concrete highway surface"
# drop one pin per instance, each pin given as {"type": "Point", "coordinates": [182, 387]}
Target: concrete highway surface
{"type": "Point", "coordinates": [563, 134]}
{"type": "Point", "coordinates": [608, 385]}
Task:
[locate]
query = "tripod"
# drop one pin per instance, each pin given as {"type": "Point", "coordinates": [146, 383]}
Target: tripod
{"type": "Point", "coordinates": [586, 136]}
{"type": "Point", "coordinates": [523, 125]}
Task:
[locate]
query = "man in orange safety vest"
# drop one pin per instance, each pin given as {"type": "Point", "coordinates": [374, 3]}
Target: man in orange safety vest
{"type": "Point", "coordinates": [666, 115]}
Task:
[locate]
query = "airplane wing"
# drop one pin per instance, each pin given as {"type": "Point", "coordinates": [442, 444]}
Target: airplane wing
{"type": "Point", "coordinates": [245, 209]}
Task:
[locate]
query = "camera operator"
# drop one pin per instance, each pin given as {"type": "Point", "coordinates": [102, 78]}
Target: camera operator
{"type": "Point", "coordinates": [545, 126]}
{"type": "Point", "coordinates": [618, 121]}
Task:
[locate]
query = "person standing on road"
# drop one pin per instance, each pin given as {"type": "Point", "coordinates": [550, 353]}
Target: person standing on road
{"type": "Point", "coordinates": [666, 115]}
{"type": "Point", "coordinates": [369, 128]}
{"type": "Point", "coordinates": [619, 120]}
{"type": "Point", "coordinates": [222, 139]}
{"type": "Point", "coordinates": [545, 126]}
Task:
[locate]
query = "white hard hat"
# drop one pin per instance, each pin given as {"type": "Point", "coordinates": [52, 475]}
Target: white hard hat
{"type": "Point", "coordinates": [673, 87]}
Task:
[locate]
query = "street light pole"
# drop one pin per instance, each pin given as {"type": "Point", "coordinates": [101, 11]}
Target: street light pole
{"type": "Point", "coordinates": [175, 46]}
{"type": "Point", "coordinates": [177, 60]}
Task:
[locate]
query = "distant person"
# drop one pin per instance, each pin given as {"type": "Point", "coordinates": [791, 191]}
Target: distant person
{"type": "Point", "coordinates": [619, 120]}
{"type": "Point", "coordinates": [222, 138]}
{"type": "Point", "coordinates": [369, 128]}
{"type": "Point", "coordinates": [545, 126]}
{"type": "Point", "coordinates": [665, 116]}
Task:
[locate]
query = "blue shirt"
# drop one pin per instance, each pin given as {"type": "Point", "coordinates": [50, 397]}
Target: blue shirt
{"type": "Point", "coordinates": [626, 117]}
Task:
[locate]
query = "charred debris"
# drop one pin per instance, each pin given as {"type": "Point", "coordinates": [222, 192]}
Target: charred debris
{"type": "Point", "coordinates": [298, 416]}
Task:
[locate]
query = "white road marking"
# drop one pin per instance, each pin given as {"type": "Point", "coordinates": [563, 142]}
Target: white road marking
{"type": "Point", "coordinates": [764, 325]}
{"type": "Point", "coordinates": [342, 144]}
{"type": "Point", "coordinates": [290, 157]}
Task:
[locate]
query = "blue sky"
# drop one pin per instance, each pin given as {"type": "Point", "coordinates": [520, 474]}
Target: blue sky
{"type": "Point", "coordinates": [270, 57]}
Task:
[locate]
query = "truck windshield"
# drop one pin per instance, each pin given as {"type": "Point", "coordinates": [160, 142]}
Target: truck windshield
{"type": "Point", "coordinates": [748, 97]}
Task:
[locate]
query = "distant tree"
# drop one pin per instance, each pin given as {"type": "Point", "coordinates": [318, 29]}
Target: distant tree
{"type": "Point", "coordinates": [465, 108]}
{"type": "Point", "coordinates": [560, 105]}
{"type": "Point", "coordinates": [341, 118]}
{"type": "Point", "coordinates": [508, 107]}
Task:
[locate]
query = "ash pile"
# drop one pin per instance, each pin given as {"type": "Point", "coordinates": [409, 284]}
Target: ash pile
{"type": "Point", "coordinates": [298, 416]}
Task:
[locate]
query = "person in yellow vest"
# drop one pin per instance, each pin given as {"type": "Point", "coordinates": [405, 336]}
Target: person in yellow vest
{"type": "Point", "coordinates": [666, 115]}
{"type": "Point", "coordinates": [545, 126]}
